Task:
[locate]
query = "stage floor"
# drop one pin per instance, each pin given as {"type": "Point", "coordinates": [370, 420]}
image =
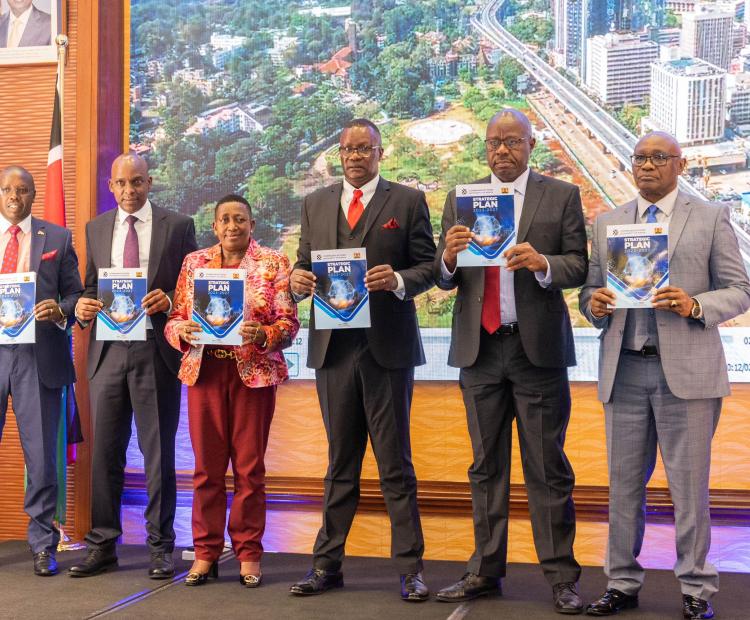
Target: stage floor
{"type": "Point", "coordinates": [371, 592]}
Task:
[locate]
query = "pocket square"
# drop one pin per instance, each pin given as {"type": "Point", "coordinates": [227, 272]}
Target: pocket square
{"type": "Point", "coordinates": [49, 255]}
{"type": "Point", "coordinates": [391, 224]}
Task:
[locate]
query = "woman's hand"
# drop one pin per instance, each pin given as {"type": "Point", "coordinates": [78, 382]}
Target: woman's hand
{"type": "Point", "coordinates": [252, 331]}
{"type": "Point", "coordinates": [188, 332]}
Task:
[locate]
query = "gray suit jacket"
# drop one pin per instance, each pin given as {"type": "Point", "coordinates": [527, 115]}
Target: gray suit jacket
{"type": "Point", "coordinates": [408, 247]}
{"type": "Point", "coordinates": [552, 222]}
{"type": "Point", "coordinates": [38, 29]}
{"type": "Point", "coordinates": [705, 261]}
{"type": "Point", "coordinates": [172, 238]}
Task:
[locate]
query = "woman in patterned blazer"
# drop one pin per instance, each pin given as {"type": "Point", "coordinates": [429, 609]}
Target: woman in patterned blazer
{"type": "Point", "coordinates": [232, 391]}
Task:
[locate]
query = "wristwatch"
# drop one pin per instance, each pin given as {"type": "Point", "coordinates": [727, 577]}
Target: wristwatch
{"type": "Point", "coordinates": [697, 311]}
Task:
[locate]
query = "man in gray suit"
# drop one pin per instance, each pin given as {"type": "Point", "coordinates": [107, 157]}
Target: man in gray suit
{"type": "Point", "coordinates": [134, 379]}
{"type": "Point", "coordinates": [662, 375]}
{"type": "Point", "coordinates": [513, 342]}
{"type": "Point", "coordinates": [25, 25]}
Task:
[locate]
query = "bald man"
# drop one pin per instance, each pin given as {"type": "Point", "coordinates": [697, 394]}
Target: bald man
{"type": "Point", "coordinates": [662, 375]}
{"type": "Point", "coordinates": [34, 374]}
{"type": "Point", "coordinates": [130, 379]}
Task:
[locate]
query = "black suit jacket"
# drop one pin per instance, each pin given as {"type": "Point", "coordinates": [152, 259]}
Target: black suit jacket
{"type": "Point", "coordinates": [552, 222]}
{"type": "Point", "coordinates": [409, 248]}
{"type": "Point", "coordinates": [172, 238]}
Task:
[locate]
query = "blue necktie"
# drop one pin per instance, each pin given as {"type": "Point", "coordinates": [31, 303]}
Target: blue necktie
{"type": "Point", "coordinates": [651, 214]}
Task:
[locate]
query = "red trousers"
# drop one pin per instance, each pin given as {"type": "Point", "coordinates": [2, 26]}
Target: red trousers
{"type": "Point", "coordinates": [228, 422]}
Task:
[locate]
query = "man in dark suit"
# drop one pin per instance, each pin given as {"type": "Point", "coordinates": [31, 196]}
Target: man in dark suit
{"type": "Point", "coordinates": [365, 377]}
{"type": "Point", "coordinates": [513, 342]}
{"type": "Point", "coordinates": [25, 25]}
{"type": "Point", "coordinates": [134, 378]}
{"type": "Point", "coordinates": [34, 374]}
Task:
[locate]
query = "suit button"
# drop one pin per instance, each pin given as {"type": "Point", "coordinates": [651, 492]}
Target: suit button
{"type": "Point", "coordinates": [479, 299]}
{"type": "Point", "coordinates": [351, 237]}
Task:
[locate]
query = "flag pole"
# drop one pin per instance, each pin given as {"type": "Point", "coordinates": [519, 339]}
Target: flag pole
{"type": "Point", "coordinates": [61, 41]}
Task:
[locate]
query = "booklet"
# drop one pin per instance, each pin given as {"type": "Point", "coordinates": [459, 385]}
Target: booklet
{"type": "Point", "coordinates": [17, 301]}
{"type": "Point", "coordinates": [488, 210]}
{"type": "Point", "coordinates": [218, 305]}
{"type": "Point", "coordinates": [637, 262]}
{"type": "Point", "coordinates": [122, 317]}
{"type": "Point", "coordinates": [341, 300]}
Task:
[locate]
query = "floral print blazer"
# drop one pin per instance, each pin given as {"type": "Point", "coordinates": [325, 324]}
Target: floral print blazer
{"type": "Point", "coordinates": [267, 301]}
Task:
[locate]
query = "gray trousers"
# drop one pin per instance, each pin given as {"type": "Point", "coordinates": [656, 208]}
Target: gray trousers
{"type": "Point", "coordinates": [642, 414]}
{"type": "Point", "coordinates": [37, 411]}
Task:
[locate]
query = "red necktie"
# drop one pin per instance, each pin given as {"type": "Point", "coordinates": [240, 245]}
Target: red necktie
{"type": "Point", "coordinates": [355, 209]}
{"type": "Point", "coordinates": [491, 302]}
{"type": "Point", "coordinates": [10, 258]}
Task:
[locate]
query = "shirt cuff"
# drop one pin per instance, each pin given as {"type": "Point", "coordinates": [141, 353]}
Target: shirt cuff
{"type": "Point", "coordinates": [444, 273]}
{"type": "Point", "coordinates": [298, 298]}
{"type": "Point", "coordinates": [546, 280]}
{"type": "Point", "coordinates": [400, 291]}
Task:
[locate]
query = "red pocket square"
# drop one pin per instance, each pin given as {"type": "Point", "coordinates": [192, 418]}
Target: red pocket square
{"type": "Point", "coordinates": [391, 224]}
{"type": "Point", "coordinates": [49, 255]}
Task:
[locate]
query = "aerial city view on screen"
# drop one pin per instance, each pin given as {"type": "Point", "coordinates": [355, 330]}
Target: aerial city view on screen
{"type": "Point", "coordinates": [248, 96]}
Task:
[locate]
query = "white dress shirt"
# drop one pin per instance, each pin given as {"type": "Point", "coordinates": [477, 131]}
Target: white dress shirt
{"type": "Point", "coordinates": [507, 292]}
{"type": "Point", "coordinates": [368, 191]}
{"type": "Point", "coordinates": [22, 20]}
{"type": "Point", "coordinates": [666, 206]}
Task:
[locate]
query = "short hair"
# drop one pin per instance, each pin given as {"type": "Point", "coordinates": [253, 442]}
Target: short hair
{"type": "Point", "coordinates": [233, 198]}
{"type": "Point", "coordinates": [363, 122]}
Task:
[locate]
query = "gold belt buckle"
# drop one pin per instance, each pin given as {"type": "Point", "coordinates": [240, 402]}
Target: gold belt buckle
{"type": "Point", "coordinates": [222, 354]}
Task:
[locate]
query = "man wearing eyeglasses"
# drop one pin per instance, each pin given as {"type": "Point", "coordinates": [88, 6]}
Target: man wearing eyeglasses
{"type": "Point", "coordinates": [662, 375]}
{"type": "Point", "coordinates": [365, 377]}
{"type": "Point", "coordinates": [513, 341]}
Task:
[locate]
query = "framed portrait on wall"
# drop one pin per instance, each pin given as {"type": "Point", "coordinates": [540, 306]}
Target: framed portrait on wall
{"type": "Point", "coordinates": [28, 29]}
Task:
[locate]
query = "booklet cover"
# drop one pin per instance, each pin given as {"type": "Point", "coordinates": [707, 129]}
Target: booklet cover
{"type": "Point", "coordinates": [17, 301]}
{"type": "Point", "coordinates": [637, 262]}
{"type": "Point", "coordinates": [122, 317]}
{"type": "Point", "coordinates": [488, 210]}
{"type": "Point", "coordinates": [341, 300]}
{"type": "Point", "coordinates": [218, 305]}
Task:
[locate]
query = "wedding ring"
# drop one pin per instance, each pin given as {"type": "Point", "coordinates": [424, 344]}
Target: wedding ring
{"type": "Point", "coordinates": [673, 303]}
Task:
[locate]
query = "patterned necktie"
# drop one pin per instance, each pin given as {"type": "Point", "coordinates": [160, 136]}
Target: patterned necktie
{"type": "Point", "coordinates": [356, 208]}
{"type": "Point", "coordinates": [14, 38]}
{"type": "Point", "coordinates": [491, 302]}
{"type": "Point", "coordinates": [651, 214]}
{"type": "Point", "coordinates": [10, 258]}
{"type": "Point", "coordinates": [130, 258]}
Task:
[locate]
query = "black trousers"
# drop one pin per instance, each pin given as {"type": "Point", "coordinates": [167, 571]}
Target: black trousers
{"type": "Point", "coordinates": [133, 380]}
{"type": "Point", "coordinates": [360, 398]}
{"type": "Point", "coordinates": [503, 384]}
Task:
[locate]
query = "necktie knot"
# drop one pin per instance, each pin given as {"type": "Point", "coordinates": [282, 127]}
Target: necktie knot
{"type": "Point", "coordinates": [358, 194]}
{"type": "Point", "coordinates": [131, 220]}
{"type": "Point", "coordinates": [651, 214]}
{"type": "Point", "coordinates": [14, 230]}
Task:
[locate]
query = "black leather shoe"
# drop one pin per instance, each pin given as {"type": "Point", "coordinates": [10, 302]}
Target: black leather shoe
{"type": "Point", "coordinates": [468, 587]}
{"type": "Point", "coordinates": [318, 581]}
{"type": "Point", "coordinates": [565, 596]}
{"type": "Point", "coordinates": [413, 588]}
{"type": "Point", "coordinates": [611, 602]}
{"type": "Point", "coordinates": [45, 564]}
{"type": "Point", "coordinates": [97, 561]}
{"type": "Point", "coordinates": [695, 608]}
{"type": "Point", "coordinates": [162, 566]}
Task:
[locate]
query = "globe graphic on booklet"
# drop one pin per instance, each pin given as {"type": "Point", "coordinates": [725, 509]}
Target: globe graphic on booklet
{"type": "Point", "coordinates": [341, 294]}
{"type": "Point", "coordinates": [487, 230]}
{"type": "Point", "coordinates": [11, 313]}
{"type": "Point", "coordinates": [122, 309]}
{"type": "Point", "coordinates": [638, 272]}
{"type": "Point", "coordinates": [218, 311]}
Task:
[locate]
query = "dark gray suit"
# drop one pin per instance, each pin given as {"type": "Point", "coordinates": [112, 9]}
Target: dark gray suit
{"type": "Point", "coordinates": [523, 376]}
{"type": "Point", "coordinates": [38, 29]}
{"type": "Point", "coordinates": [34, 375]}
{"type": "Point", "coordinates": [365, 377]}
{"type": "Point", "coordinates": [136, 379]}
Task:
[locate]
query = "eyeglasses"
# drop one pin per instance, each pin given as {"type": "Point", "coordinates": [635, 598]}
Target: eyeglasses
{"type": "Point", "coordinates": [493, 144]}
{"type": "Point", "coordinates": [657, 159]}
{"type": "Point", "coordinates": [20, 191]}
{"type": "Point", "coordinates": [364, 151]}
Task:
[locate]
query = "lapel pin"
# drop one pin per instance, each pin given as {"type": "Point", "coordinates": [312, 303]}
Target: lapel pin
{"type": "Point", "coordinates": [40, 232]}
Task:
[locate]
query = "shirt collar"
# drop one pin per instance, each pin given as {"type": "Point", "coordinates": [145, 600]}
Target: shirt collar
{"type": "Point", "coordinates": [24, 225]}
{"type": "Point", "coordinates": [23, 18]}
{"type": "Point", "coordinates": [519, 185]}
{"type": "Point", "coordinates": [143, 214]}
{"type": "Point", "coordinates": [367, 188]}
{"type": "Point", "coordinates": [666, 204]}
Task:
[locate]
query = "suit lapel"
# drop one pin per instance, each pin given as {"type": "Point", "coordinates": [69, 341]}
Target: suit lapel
{"type": "Point", "coordinates": [531, 202]}
{"type": "Point", "coordinates": [158, 241]}
{"type": "Point", "coordinates": [678, 220]}
{"type": "Point", "coordinates": [103, 247]}
{"type": "Point", "coordinates": [328, 217]}
{"type": "Point", "coordinates": [38, 237]}
{"type": "Point", "coordinates": [382, 193]}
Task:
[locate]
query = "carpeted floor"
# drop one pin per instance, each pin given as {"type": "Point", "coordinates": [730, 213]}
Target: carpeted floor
{"type": "Point", "coordinates": [371, 592]}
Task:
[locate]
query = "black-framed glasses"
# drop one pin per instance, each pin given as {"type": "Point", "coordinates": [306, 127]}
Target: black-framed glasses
{"type": "Point", "coordinates": [493, 144]}
{"type": "Point", "coordinates": [363, 151]}
{"type": "Point", "coordinates": [657, 159]}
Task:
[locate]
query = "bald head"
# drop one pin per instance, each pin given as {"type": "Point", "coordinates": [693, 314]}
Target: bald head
{"type": "Point", "coordinates": [130, 182]}
{"type": "Point", "coordinates": [657, 165]}
{"type": "Point", "coordinates": [663, 139]}
{"type": "Point", "coordinates": [17, 193]}
{"type": "Point", "coordinates": [21, 172]}
{"type": "Point", "coordinates": [510, 115]}
{"type": "Point", "coordinates": [509, 141]}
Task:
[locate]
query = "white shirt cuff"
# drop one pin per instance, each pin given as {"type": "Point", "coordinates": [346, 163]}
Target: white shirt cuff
{"type": "Point", "coordinates": [444, 273]}
{"type": "Point", "coordinates": [400, 290]}
{"type": "Point", "coordinates": [546, 280]}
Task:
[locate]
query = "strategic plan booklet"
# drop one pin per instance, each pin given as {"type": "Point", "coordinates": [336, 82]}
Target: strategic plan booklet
{"type": "Point", "coordinates": [218, 305]}
{"type": "Point", "coordinates": [340, 300]}
{"type": "Point", "coordinates": [17, 300]}
{"type": "Point", "coordinates": [637, 262]}
{"type": "Point", "coordinates": [122, 316]}
{"type": "Point", "coordinates": [488, 211]}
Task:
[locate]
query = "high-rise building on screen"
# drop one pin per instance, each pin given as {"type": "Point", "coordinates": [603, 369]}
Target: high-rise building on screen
{"type": "Point", "coordinates": [707, 34]}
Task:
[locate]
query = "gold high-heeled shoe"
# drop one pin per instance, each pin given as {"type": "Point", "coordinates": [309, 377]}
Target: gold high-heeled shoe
{"type": "Point", "coordinates": [198, 579]}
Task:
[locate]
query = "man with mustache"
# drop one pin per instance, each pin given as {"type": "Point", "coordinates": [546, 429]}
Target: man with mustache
{"type": "Point", "coordinates": [513, 342]}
